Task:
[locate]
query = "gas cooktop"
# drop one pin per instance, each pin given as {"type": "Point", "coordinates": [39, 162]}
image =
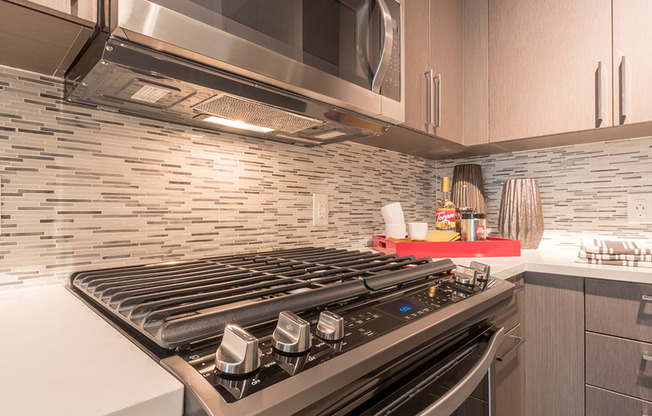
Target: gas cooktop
{"type": "Point", "coordinates": [246, 323]}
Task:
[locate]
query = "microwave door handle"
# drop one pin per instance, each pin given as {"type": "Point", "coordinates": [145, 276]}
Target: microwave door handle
{"type": "Point", "coordinates": [386, 49]}
{"type": "Point", "coordinates": [456, 395]}
{"type": "Point", "coordinates": [363, 33]}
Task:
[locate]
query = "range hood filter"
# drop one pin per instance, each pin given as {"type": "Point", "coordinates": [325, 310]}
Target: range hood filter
{"type": "Point", "coordinates": [257, 114]}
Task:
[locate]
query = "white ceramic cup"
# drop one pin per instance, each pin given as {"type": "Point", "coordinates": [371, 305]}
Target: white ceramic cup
{"type": "Point", "coordinates": [418, 230]}
{"type": "Point", "coordinates": [395, 230]}
{"type": "Point", "coordinates": [393, 213]}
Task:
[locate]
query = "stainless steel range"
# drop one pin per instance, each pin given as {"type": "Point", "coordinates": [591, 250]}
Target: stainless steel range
{"type": "Point", "coordinates": [310, 330]}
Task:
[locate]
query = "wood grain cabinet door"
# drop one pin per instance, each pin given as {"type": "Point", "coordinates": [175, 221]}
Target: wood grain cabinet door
{"type": "Point", "coordinates": [619, 364]}
{"type": "Point", "coordinates": [554, 351]}
{"type": "Point", "coordinates": [600, 402]}
{"type": "Point", "coordinates": [510, 374]}
{"type": "Point", "coordinates": [476, 72]}
{"type": "Point", "coordinates": [417, 41]}
{"type": "Point", "coordinates": [619, 308]}
{"type": "Point", "coordinates": [632, 61]}
{"type": "Point", "coordinates": [447, 63]}
{"type": "Point", "coordinates": [543, 67]}
{"type": "Point", "coordinates": [434, 74]}
{"type": "Point", "coordinates": [85, 9]}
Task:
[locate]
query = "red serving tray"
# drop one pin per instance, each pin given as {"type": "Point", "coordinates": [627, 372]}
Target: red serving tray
{"type": "Point", "coordinates": [491, 247]}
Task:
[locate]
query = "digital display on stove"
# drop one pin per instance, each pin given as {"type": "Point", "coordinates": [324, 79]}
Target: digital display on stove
{"type": "Point", "coordinates": [398, 307]}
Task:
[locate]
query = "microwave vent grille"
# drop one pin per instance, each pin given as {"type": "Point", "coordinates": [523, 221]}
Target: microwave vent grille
{"type": "Point", "coordinates": [251, 112]}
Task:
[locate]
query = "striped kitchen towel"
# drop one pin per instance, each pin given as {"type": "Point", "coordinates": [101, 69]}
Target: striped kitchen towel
{"type": "Point", "coordinates": [613, 247]}
{"type": "Point", "coordinates": [615, 259]}
{"type": "Point", "coordinates": [615, 253]}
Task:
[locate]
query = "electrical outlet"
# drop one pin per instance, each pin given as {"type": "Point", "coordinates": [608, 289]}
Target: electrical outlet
{"type": "Point", "coordinates": [319, 209]}
{"type": "Point", "coordinates": [639, 208]}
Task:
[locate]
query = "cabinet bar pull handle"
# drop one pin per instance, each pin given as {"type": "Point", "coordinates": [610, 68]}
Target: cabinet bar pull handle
{"type": "Point", "coordinates": [624, 64]}
{"type": "Point", "coordinates": [430, 92]}
{"type": "Point", "coordinates": [519, 341]}
{"type": "Point", "coordinates": [599, 110]}
{"type": "Point", "coordinates": [646, 298]}
{"type": "Point", "coordinates": [438, 78]}
{"type": "Point", "coordinates": [647, 357]}
{"type": "Point", "coordinates": [518, 288]}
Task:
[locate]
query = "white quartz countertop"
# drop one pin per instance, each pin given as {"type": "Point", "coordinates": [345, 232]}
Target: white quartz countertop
{"type": "Point", "coordinates": [555, 259]}
{"type": "Point", "coordinates": [59, 358]}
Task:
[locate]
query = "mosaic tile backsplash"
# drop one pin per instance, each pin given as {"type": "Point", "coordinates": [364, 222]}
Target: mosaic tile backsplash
{"type": "Point", "coordinates": [583, 187]}
{"type": "Point", "coordinates": [82, 188]}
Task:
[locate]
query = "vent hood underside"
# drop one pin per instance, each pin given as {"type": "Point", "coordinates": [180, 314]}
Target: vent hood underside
{"type": "Point", "coordinates": [139, 81]}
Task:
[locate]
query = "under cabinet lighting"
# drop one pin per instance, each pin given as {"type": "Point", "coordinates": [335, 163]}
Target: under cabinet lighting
{"type": "Point", "coordinates": [237, 124]}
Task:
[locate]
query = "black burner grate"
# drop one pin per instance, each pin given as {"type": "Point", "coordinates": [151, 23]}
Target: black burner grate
{"type": "Point", "coordinates": [174, 304]}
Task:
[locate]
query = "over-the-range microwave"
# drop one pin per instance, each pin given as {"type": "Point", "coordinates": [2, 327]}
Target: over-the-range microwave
{"type": "Point", "coordinates": [303, 71]}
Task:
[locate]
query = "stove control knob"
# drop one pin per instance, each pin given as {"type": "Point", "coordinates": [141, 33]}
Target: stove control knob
{"type": "Point", "coordinates": [483, 270]}
{"type": "Point", "coordinates": [330, 326]}
{"type": "Point", "coordinates": [465, 275]}
{"type": "Point", "coordinates": [292, 334]}
{"type": "Point", "coordinates": [238, 353]}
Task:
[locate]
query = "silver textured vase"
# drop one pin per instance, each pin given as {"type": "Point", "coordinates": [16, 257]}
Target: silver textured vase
{"type": "Point", "coordinates": [521, 214]}
{"type": "Point", "coordinates": [468, 186]}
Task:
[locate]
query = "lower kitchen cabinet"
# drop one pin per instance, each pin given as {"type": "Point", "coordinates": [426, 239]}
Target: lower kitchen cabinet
{"type": "Point", "coordinates": [618, 348]}
{"type": "Point", "coordinates": [619, 364]}
{"type": "Point", "coordinates": [510, 357]}
{"type": "Point", "coordinates": [619, 308]}
{"type": "Point", "coordinates": [588, 349]}
{"type": "Point", "coordinates": [600, 402]}
{"type": "Point", "coordinates": [554, 357]}
{"type": "Point", "coordinates": [510, 374]}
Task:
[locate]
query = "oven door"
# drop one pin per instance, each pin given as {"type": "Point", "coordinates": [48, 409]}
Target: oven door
{"type": "Point", "coordinates": [450, 377]}
{"type": "Point", "coordinates": [345, 52]}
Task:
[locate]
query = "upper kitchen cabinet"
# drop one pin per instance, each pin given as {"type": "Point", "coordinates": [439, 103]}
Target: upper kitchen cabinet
{"type": "Point", "coordinates": [632, 61]}
{"type": "Point", "coordinates": [434, 67]}
{"type": "Point", "coordinates": [82, 9]}
{"type": "Point", "coordinates": [550, 66]}
{"type": "Point", "coordinates": [44, 36]}
{"type": "Point", "coordinates": [476, 72]}
{"type": "Point", "coordinates": [417, 40]}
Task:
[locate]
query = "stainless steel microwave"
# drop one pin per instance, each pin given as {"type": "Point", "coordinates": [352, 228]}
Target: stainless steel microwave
{"type": "Point", "coordinates": [310, 71]}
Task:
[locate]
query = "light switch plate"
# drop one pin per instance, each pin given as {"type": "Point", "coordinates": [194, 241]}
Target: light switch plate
{"type": "Point", "coordinates": [320, 209]}
{"type": "Point", "coordinates": [639, 208]}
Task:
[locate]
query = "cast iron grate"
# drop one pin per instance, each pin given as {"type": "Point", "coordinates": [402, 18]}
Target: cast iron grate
{"type": "Point", "coordinates": [174, 304]}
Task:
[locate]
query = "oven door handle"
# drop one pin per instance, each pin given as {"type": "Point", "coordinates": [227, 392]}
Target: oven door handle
{"type": "Point", "coordinates": [455, 396]}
